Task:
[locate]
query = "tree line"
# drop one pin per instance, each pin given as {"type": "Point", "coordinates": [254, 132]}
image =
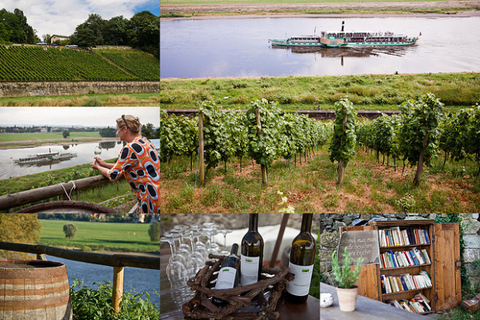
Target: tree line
{"type": "Point", "coordinates": [142, 31]}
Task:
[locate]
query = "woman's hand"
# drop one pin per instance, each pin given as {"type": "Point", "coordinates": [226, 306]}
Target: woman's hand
{"type": "Point", "coordinates": [99, 162]}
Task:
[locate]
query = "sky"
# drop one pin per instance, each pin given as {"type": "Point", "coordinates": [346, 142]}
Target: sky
{"type": "Point", "coordinates": [71, 116]}
{"type": "Point", "coordinates": [61, 17]}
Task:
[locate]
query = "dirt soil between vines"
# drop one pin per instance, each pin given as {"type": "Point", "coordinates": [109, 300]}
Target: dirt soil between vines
{"type": "Point", "coordinates": [270, 9]}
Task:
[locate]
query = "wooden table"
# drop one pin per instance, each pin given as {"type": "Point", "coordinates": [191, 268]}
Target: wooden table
{"type": "Point", "coordinates": [366, 309]}
{"type": "Point", "coordinates": [172, 299]}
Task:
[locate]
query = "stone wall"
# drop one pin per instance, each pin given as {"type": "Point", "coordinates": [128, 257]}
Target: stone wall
{"type": "Point", "coordinates": [331, 223]}
{"type": "Point", "coordinates": [48, 88]}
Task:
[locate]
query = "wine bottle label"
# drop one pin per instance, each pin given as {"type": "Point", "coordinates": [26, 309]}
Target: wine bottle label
{"type": "Point", "coordinates": [249, 269]}
{"type": "Point", "coordinates": [226, 278]}
{"type": "Point", "coordinates": [300, 286]}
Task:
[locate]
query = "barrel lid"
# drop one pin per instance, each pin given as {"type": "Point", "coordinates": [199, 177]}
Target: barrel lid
{"type": "Point", "coordinates": [28, 264]}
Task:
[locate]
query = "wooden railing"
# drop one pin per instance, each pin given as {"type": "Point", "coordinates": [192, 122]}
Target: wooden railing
{"type": "Point", "coordinates": [117, 261]}
{"type": "Point", "coordinates": [25, 197]}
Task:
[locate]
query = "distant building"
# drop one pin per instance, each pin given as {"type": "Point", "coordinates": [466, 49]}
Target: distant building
{"type": "Point", "coordinates": [57, 37]}
{"type": "Point", "coordinates": [43, 130]}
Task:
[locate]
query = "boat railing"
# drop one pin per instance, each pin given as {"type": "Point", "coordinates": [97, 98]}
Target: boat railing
{"type": "Point", "coordinates": [21, 198]}
{"type": "Point", "coordinates": [117, 261]}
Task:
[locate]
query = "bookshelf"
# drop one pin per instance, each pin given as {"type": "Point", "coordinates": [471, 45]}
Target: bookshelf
{"type": "Point", "coordinates": [440, 242]}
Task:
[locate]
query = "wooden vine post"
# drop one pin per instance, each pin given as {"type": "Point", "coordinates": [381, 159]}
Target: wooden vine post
{"type": "Point", "coordinates": [418, 173]}
{"type": "Point", "coordinates": [263, 167]}
{"type": "Point", "coordinates": [341, 161]}
{"type": "Point", "coordinates": [200, 150]}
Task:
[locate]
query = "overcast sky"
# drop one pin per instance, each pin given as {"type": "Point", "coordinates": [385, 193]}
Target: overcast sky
{"type": "Point", "coordinates": [68, 116]}
{"type": "Point", "coordinates": [63, 16]}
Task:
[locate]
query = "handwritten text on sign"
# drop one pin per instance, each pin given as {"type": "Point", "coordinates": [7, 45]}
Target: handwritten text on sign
{"type": "Point", "coordinates": [360, 244]}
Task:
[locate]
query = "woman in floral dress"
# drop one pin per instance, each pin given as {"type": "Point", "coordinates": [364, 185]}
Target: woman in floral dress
{"type": "Point", "coordinates": [138, 162]}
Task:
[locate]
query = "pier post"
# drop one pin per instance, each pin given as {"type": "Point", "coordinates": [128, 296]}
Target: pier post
{"type": "Point", "coordinates": [117, 289]}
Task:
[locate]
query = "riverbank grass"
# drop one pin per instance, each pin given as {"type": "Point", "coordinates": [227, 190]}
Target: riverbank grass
{"type": "Point", "coordinates": [367, 92]}
{"type": "Point", "coordinates": [94, 195]}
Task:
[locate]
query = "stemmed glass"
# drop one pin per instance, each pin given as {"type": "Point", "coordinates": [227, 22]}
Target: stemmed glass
{"type": "Point", "coordinates": [210, 230]}
{"type": "Point", "coordinates": [196, 260]}
{"type": "Point", "coordinates": [225, 232]}
{"type": "Point", "coordinates": [176, 271]}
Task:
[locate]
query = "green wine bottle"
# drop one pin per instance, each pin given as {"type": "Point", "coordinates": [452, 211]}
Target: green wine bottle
{"type": "Point", "coordinates": [302, 258]}
{"type": "Point", "coordinates": [228, 276]}
{"type": "Point", "coordinates": [252, 253]}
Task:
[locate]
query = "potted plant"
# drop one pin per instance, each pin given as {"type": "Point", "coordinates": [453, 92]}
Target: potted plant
{"type": "Point", "coordinates": [346, 277]}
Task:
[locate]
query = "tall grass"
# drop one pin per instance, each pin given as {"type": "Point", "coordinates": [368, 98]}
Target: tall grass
{"type": "Point", "coordinates": [367, 92]}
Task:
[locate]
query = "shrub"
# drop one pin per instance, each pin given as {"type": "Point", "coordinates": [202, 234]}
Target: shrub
{"type": "Point", "coordinates": [90, 304]}
{"type": "Point", "coordinates": [70, 230]}
{"type": "Point", "coordinates": [154, 231]}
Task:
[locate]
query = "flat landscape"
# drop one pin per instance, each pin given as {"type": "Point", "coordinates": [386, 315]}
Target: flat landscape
{"type": "Point", "coordinates": [99, 236]}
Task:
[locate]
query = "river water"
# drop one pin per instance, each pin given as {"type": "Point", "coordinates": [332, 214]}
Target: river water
{"type": "Point", "coordinates": [85, 153]}
{"type": "Point", "coordinates": [138, 279]}
{"type": "Point", "coordinates": [240, 48]}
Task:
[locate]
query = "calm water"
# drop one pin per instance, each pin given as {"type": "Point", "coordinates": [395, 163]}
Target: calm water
{"type": "Point", "coordinates": [239, 47]}
{"type": "Point", "coordinates": [138, 279]}
{"type": "Point", "coordinates": [85, 153]}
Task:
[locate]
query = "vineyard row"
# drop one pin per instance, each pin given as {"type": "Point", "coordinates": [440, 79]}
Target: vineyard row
{"type": "Point", "coordinates": [266, 133]}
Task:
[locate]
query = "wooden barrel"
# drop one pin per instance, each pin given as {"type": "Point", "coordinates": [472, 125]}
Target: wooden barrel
{"type": "Point", "coordinates": [34, 289]}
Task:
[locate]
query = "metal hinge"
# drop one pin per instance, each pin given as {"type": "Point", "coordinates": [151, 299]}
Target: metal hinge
{"type": "Point", "coordinates": [458, 264]}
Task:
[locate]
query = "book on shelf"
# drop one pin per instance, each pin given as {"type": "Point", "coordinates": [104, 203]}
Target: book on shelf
{"type": "Point", "coordinates": [402, 237]}
{"type": "Point", "coordinates": [397, 259]}
{"type": "Point", "coordinates": [404, 282]}
{"type": "Point", "coordinates": [418, 304]}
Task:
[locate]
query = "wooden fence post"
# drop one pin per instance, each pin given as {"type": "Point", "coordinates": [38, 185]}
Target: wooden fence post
{"type": "Point", "coordinates": [200, 150]}
{"type": "Point", "coordinates": [117, 289]}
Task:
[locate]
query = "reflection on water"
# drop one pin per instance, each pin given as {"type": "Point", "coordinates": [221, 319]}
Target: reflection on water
{"type": "Point", "coordinates": [240, 48]}
{"type": "Point", "coordinates": [84, 154]}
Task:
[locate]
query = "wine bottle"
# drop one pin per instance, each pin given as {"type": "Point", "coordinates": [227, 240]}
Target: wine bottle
{"type": "Point", "coordinates": [252, 253]}
{"type": "Point", "coordinates": [302, 257]}
{"type": "Point", "coordinates": [228, 275]}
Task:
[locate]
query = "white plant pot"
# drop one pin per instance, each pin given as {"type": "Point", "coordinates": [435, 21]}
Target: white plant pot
{"type": "Point", "coordinates": [347, 298]}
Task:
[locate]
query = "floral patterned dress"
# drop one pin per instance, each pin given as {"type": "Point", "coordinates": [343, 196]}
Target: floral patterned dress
{"type": "Point", "coordinates": [139, 162]}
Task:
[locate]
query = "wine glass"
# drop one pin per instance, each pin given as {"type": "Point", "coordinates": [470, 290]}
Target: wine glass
{"type": "Point", "coordinates": [225, 232]}
{"type": "Point", "coordinates": [176, 271]}
{"type": "Point", "coordinates": [196, 261]}
{"type": "Point", "coordinates": [210, 230]}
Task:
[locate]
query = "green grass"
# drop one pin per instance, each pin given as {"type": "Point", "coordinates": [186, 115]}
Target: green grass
{"type": "Point", "coordinates": [311, 187]}
{"type": "Point", "coordinates": [4, 137]}
{"type": "Point", "coordinates": [106, 100]}
{"type": "Point", "coordinates": [123, 237]}
{"type": "Point", "coordinates": [93, 195]}
{"type": "Point", "coordinates": [367, 92]}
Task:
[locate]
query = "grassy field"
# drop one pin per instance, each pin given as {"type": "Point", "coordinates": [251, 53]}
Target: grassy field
{"type": "Point", "coordinates": [4, 137]}
{"type": "Point", "coordinates": [123, 237]}
{"type": "Point", "coordinates": [108, 100]}
{"type": "Point", "coordinates": [367, 92]}
{"type": "Point", "coordinates": [311, 187]}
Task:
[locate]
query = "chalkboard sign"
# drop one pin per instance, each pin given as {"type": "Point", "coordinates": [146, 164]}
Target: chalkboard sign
{"type": "Point", "coordinates": [360, 244]}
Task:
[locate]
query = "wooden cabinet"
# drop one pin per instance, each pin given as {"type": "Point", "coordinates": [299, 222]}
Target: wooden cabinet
{"type": "Point", "coordinates": [443, 249]}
